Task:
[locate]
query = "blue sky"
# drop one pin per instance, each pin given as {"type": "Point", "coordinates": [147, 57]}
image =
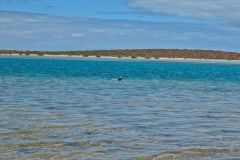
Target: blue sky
{"type": "Point", "coordinates": [119, 24]}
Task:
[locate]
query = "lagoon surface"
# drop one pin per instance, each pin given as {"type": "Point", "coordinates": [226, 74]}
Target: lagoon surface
{"type": "Point", "coordinates": [70, 108]}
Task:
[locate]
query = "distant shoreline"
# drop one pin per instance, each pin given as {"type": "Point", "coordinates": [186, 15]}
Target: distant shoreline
{"type": "Point", "coordinates": [127, 57]}
{"type": "Point", "coordinates": [163, 54]}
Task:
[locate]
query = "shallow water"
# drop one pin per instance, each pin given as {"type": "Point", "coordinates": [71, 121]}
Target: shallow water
{"type": "Point", "coordinates": [70, 108]}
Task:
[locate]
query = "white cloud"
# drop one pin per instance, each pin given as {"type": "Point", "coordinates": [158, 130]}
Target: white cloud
{"type": "Point", "coordinates": [77, 35]}
{"type": "Point", "coordinates": [2, 20]}
{"type": "Point", "coordinates": [26, 31]}
{"type": "Point", "coordinates": [228, 10]}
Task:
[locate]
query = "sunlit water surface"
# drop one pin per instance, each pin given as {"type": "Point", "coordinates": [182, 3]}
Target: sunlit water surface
{"type": "Point", "coordinates": [70, 108]}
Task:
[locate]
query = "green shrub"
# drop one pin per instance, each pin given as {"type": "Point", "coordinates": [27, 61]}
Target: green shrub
{"type": "Point", "coordinates": [40, 54]}
{"type": "Point", "coordinates": [134, 56]}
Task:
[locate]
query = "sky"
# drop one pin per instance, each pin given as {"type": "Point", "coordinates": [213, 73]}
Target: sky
{"type": "Point", "coordinates": [54, 25]}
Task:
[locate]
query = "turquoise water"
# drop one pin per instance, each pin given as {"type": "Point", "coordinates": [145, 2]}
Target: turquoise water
{"type": "Point", "coordinates": [70, 108]}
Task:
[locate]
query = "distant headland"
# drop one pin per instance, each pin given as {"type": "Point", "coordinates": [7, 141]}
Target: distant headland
{"type": "Point", "coordinates": [137, 53]}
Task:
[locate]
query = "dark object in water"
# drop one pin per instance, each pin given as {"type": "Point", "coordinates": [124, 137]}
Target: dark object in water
{"type": "Point", "coordinates": [119, 79]}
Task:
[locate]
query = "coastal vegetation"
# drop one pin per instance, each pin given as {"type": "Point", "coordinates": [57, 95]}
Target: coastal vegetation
{"type": "Point", "coordinates": [135, 53]}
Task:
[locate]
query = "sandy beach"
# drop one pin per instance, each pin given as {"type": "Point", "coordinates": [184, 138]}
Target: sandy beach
{"type": "Point", "coordinates": [141, 58]}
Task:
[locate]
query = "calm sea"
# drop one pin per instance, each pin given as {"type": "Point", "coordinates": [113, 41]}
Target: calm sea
{"type": "Point", "coordinates": [71, 108]}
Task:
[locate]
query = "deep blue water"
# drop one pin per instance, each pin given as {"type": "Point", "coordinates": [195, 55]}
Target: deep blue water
{"type": "Point", "coordinates": [71, 108]}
